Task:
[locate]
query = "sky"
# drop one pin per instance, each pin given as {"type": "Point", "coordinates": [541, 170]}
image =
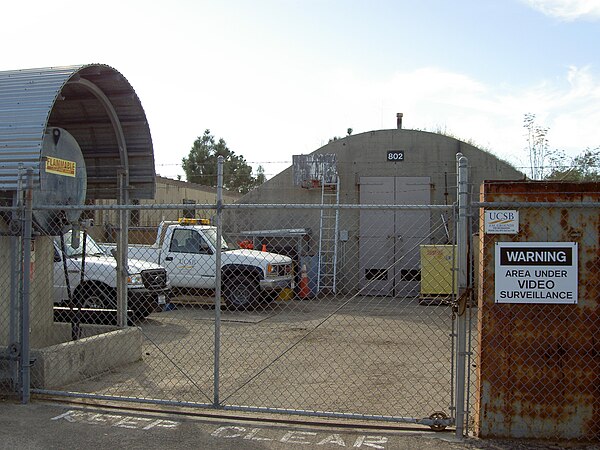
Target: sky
{"type": "Point", "coordinates": [276, 78]}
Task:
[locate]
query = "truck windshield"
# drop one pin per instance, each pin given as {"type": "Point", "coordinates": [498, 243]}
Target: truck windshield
{"type": "Point", "coordinates": [91, 248]}
{"type": "Point", "coordinates": [226, 243]}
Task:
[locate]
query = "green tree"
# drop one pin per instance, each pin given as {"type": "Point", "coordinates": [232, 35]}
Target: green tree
{"type": "Point", "coordinates": [200, 166]}
{"type": "Point", "coordinates": [583, 167]}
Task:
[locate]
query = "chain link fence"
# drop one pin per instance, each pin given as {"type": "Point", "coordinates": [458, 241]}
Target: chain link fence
{"type": "Point", "coordinates": [248, 308]}
{"type": "Point", "coordinates": [362, 312]}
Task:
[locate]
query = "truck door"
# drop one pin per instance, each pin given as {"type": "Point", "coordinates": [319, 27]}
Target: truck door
{"type": "Point", "coordinates": [189, 260]}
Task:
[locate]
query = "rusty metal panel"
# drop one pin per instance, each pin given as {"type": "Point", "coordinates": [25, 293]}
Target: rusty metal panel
{"type": "Point", "coordinates": [538, 364]}
{"type": "Point", "coordinates": [312, 170]}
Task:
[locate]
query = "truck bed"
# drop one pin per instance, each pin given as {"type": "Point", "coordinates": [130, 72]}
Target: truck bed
{"type": "Point", "coordinates": [148, 253]}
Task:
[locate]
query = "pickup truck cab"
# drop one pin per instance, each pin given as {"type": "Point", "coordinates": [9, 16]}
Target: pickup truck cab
{"type": "Point", "coordinates": [187, 249]}
{"type": "Point", "coordinates": [147, 283]}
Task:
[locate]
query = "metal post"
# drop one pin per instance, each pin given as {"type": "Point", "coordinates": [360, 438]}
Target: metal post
{"type": "Point", "coordinates": [15, 282]}
{"type": "Point", "coordinates": [218, 281]}
{"type": "Point", "coordinates": [123, 242]}
{"type": "Point", "coordinates": [25, 350]}
{"type": "Point", "coordinates": [462, 237]}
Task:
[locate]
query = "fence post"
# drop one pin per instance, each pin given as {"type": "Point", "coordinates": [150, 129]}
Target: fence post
{"type": "Point", "coordinates": [462, 239]}
{"type": "Point", "coordinates": [16, 275]}
{"type": "Point", "coordinates": [218, 281]}
{"type": "Point", "coordinates": [25, 350]}
{"type": "Point", "coordinates": [122, 251]}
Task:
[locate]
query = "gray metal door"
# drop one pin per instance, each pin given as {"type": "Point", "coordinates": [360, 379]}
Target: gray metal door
{"type": "Point", "coordinates": [390, 240]}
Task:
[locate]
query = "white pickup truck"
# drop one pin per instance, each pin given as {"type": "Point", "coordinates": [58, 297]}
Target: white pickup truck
{"type": "Point", "coordinates": [147, 283]}
{"type": "Point", "coordinates": [187, 248]}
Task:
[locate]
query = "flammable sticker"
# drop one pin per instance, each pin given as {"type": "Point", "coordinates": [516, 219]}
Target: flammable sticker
{"type": "Point", "coordinates": [61, 166]}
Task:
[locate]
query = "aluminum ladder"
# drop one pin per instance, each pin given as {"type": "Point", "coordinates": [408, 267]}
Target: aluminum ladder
{"type": "Point", "coordinates": [328, 237]}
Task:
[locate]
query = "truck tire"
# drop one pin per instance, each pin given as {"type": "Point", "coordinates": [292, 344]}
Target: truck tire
{"type": "Point", "coordinates": [143, 306]}
{"type": "Point", "coordinates": [240, 290]}
{"type": "Point", "coordinates": [95, 296]}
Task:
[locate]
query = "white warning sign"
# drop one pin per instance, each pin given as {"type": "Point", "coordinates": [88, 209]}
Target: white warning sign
{"type": "Point", "coordinates": [536, 272]}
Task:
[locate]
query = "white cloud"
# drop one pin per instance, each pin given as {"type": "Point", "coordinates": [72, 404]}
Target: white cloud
{"type": "Point", "coordinates": [270, 118]}
{"type": "Point", "coordinates": [568, 9]}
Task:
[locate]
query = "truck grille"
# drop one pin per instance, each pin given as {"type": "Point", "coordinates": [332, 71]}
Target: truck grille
{"type": "Point", "coordinates": [154, 279]}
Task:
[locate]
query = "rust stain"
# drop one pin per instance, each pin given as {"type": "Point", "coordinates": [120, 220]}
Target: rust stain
{"type": "Point", "coordinates": [539, 364]}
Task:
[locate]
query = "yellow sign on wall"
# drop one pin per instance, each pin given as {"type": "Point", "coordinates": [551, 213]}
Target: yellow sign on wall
{"type": "Point", "coordinates": [60, 166]}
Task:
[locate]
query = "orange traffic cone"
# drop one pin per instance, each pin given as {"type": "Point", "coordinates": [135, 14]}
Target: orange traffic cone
{"type": "Point", "coordinates": [264, 247]}
{"type": "Point", "coordinates": [304, 291]}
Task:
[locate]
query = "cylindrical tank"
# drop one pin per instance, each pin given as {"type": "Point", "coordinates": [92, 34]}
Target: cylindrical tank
{"type": "Point", "coordinates": [63, 181]}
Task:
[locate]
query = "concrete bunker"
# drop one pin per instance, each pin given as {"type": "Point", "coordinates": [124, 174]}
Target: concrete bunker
{"type": "Point", "coordinates": [79, 134]}
{"type": "Point", "coordinates": [377, 251]}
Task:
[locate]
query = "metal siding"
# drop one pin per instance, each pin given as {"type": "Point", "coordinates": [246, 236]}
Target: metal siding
{"type": "Point", "coordinates": [32, 99]}
{"type": "Point", "coordinates": [376, 243]}
{"type": "Point", "coordinates": [316, 167]}
{"type": "Point", "coordinates": [538, 365]}
{"type": "Point", "coordinates": [412, 229]}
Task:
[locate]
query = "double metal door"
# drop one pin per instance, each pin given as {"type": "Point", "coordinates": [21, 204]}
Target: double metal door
{"type": "Point", "coordinates": [390, 239]}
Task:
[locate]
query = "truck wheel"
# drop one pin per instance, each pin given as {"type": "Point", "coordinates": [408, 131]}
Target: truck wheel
{"type": "Point", "coordinates": [145, 306]}
{"type": "Point", "coordinates": [95, 297]}
{"type": "Point", "coordinates": [240, 292]}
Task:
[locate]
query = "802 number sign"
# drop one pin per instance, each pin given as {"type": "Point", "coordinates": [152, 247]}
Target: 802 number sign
{"type": "Point", "coordinates": [395, 155]}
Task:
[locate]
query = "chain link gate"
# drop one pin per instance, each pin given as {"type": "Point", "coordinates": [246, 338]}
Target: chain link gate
{"type": "Point", "coordinates": [380, 346]}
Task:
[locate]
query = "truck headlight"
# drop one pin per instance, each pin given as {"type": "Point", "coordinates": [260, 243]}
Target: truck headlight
{"type": "Point", "coordinates": [278, 270]}
{"type": "Point", "coordinates": [135, 280]}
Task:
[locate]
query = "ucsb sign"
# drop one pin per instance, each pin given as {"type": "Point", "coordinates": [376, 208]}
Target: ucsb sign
{"type": "Point", "coordinates": [501, 221]}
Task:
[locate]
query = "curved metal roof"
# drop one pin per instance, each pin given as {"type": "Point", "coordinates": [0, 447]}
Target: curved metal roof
{"type": "Point", "coordinates": [97, 105]}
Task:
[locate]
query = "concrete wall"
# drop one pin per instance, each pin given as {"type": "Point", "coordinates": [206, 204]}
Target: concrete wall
{"type": "Point", "coordinates": [43, 331]}
{"type": "Point", "coordinates": [56, 366]}
{"type": "Point", "coordinates": [41, 294]}
{"type": "Point", "coordinates": [425, 154]}
{"type": "Point", "coordinates": [365, 155]}
{"type": "Point", "coordinates": [57, 359]}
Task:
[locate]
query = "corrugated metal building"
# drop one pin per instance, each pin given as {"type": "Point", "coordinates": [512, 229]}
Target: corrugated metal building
{"type": "Point", "coordinates": [94, 103]}
{"type": "Point", "coordinates": [95, 109]}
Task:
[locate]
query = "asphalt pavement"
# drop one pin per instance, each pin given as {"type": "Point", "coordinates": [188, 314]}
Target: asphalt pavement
{"type": "Point", "coordinates": [56, 425]}
{"type": "Point", "coordinates": [51, 425]}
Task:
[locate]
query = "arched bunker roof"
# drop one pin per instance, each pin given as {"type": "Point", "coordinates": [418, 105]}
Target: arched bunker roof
{"type": "Point", "coordinates": [93, 102]}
